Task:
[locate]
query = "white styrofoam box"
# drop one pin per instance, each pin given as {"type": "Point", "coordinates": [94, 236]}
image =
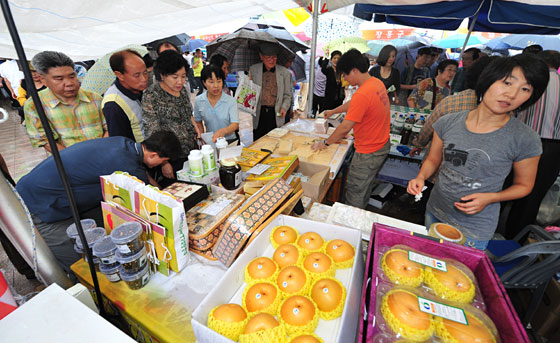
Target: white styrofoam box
{"type": "Point", "coordinates": [230, 288]}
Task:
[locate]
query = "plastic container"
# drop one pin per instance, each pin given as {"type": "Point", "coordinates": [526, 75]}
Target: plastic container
{"type": "Point", "coordinates": [416, 128]}
{"type": "Point", "coordinates": [111, 272]}
{"type": "Point", "coordinates": [92, 236]}
{"type": "Point", "coordinates": [72, 231]}
{"type": "Point", "coordinates": [96, 262]}
{"type": "Point", "coordinates": [135, 280]}
{"type": "Point", "coordinates": [127, 238]}
{"type": "Point", "coordinates": [221, 143]}
{"type": "Point", "coordinates": [105, 250]}
{"type": "Point", "coordinates": [208, 158]}
{"type": "Point", "coordinates": [195, 162]}
{"type": "Point", "coordinates": [230, 174]}
{"type": "Point", "coordinates": [398, 125]}
{"type": "Point", "coordinates": [132, 263]}
{"type": "Point", "coordinates": [407, 129]}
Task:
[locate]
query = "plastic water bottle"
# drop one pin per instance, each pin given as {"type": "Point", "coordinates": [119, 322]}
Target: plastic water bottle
{"type": "Point", "coordinates": [416, 128]}
{"type": "Point", "coordinates": [407, 129]}
{"type": "Point", "coordinates": [398, 125]}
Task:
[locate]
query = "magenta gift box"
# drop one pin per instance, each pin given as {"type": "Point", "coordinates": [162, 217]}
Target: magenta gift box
{"type": "Point", "coordinates": [500, 309]}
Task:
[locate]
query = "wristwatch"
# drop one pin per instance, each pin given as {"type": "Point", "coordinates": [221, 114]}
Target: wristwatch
{"type": "Point", "coordinates": [325, 142]}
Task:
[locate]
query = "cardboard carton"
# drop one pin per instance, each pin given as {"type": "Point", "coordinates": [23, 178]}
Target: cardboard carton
{"type": "Point", "coordinates": [231, 286]}
{"type": "Point", "coordinates": [318, 176]}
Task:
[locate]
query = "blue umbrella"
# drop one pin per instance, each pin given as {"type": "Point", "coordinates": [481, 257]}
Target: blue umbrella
{"type": "Point", "coordinates": [513, 16]}
{"type": "Point", "coordinates": [194, 44]}
{"type": "Point", "coordinates": [519, 42]}
{"type": "Point", "coordinates": [457, 41]}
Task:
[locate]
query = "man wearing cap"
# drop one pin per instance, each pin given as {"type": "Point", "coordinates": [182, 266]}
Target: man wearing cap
{"type": "Point", "coordinates": [415, 73]}
{"type": "Point", "coordinates": [121, 103]}
{"type": "Point", "coordinates": [276, 90]}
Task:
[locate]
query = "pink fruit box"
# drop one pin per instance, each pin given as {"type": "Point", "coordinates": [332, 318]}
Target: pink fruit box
{"type": "Point", "coordinates": [500, 309]}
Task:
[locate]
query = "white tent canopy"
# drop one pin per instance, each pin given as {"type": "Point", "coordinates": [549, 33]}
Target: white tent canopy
{"type": "Point", "coordinates": [89, 29]}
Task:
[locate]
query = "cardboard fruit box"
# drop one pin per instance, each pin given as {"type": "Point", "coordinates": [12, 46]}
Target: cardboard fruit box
{"type": "Point", "coordinates": [499, 307]}
{"type": "Point", "coordinates": [231, 286]}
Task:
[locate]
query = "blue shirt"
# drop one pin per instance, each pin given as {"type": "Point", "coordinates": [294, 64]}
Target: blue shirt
{"type": "Point", "coordinates": [84, 163]}
{"type": "Point", "coordinates": [221, 115]}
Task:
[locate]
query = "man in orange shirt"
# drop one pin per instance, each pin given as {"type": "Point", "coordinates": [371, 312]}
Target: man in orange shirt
{"type": "Point", "coordinates": [369, 115]}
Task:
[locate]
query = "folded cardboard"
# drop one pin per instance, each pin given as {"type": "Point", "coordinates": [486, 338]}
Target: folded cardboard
{"type": "Point", "coordinates": [318, 176]}
{"type": "Point", "coordinates": [188, 192]}
{"type": "Point", "coordinates": [499, 307]}
{"type": "Point", "coordinates": [230, 288]}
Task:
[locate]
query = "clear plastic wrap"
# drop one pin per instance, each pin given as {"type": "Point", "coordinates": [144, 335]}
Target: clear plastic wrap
{"type": "Point", "coordinates": [447, 279]}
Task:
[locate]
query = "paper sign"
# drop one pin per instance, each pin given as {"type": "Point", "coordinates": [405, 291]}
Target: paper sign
{"type": "Point", "coordinates": [217, 207]}
{"type": "Point", "coordinates": [427, 261]}
{"type": "Point", "coordinates": [444, 311]}
{"type": "Point", "coordinates": [207, 138]}
{"type": "Point", "coordinates": [258, 169]}
{"type": "Point", "coordinates": [232, 152]}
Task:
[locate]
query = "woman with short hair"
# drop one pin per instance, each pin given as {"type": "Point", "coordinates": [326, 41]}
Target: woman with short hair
{"type": "Point", "coordinates": [475, 151]}
{"type": "Point", "coordinates": [217, 109]}
{"type": "Point", "coordinates": [166, 106]}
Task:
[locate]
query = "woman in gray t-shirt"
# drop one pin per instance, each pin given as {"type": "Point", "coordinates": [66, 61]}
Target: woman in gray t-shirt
{"type": "Point", "coordinates": [476, 151]}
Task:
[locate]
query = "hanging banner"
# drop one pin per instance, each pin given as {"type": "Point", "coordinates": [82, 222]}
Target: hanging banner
{"type": "Point", "coordinates": [386, 34]}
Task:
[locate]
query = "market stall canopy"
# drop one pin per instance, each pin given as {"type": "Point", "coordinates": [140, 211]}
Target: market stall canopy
{"type": "Point", "coordinates": [457, 41]}
{"type": "Point", "coordinates": [89, 29]}
{"type": "Point", "coordinates": [508, 16]}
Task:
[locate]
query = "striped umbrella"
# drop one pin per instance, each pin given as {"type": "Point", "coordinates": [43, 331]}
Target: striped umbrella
{"type": "Point", "coordinates": [241, 48]}
{"type": "Point", "coordinates": [346, 43]}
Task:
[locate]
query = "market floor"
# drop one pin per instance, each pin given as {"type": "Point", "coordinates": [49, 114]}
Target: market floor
{"type": "Point", "coordinates": [20, 158]}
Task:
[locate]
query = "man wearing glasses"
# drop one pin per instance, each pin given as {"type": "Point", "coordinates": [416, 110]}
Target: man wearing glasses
{"type": "Point", "coordinates": [276, 91]}
{"type": "Point", "coordinates": [121, 104]}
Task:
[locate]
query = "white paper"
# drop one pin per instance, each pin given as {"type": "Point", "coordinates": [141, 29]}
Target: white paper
{"type": "Point", "coordinates": [232, 152]}
{"type": "Point", "coordinates": [207, 138]}
{"type": "Point", "coordinates": [427, 261]}
{"type": "Point", "coordinates": [258, 169]}
{"type": "Point", "coordinates": [215, 208]}
{"type": "Point", "coordinates": [448, 312]}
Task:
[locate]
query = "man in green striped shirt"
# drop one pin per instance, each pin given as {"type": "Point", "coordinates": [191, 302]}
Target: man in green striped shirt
{"type": "Point", "coordinates": [74, 114]}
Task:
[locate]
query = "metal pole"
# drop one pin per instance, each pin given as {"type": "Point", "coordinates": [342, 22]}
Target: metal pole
{"type": "Point", "coordinates": [469, 34]}
{"type": "Point", "coordinates": [55, 153]}
{"type": "Point", "coordinates": [17, 227]}
{"type": "Point", "coordinates": [311, 87]}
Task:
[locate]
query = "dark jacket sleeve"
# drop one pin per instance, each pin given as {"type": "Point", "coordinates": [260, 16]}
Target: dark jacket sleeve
{"type": "Point", "coordinates": [118, 123]}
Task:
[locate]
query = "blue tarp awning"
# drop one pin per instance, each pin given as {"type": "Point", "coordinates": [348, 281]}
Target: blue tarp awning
{"type": "Point", "coordinates": [538, 17]}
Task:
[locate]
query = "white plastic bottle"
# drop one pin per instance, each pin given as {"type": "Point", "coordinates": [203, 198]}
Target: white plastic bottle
{"type": "Point", "coordinates": [208, 158]}
{"type": "Point", "coordinates": [195, 163]}
{"type": "Point", "coordinates": [221, 143]}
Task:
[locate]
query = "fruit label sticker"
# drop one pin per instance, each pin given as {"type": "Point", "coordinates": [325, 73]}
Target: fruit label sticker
{"type": "Point", "coordinates": [427, 261]}
{"type": "Point", "coordinates": [258, 169]}
{"type": "Point", "coordinates": [444, 311]}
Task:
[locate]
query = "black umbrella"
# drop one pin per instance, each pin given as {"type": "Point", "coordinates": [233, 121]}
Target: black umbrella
{"type": "Point", "coordinates": [280, 33]}
{"type": "Point", "coordinates": [177, 40]}
{"type": "Point", "coordinates": [241, 48]}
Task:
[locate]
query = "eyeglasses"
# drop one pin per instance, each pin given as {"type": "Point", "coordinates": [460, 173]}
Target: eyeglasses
{"type": "Point", "coordinates": [273, 57]}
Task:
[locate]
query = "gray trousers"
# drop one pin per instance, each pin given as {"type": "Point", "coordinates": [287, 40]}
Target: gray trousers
{"type": "Point", "coordinates": [55, 236]}
{"type": "Point", "coordinates": [361, 176]}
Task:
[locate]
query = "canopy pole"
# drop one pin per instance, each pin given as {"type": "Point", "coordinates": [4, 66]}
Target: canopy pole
{"type": "Point", "coordinates": [471, 28]}
{"type": "Point", "coordinates": [10, 23]}
{"type": "Point", "coordinates": [311, 87]}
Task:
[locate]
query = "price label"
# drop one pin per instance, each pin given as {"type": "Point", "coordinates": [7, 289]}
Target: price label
{"type": "Point", "coordinates": [444, 311]}
{"type": "Point", "coordinates": [217, 207]}
{"type": "Point", "coordinates": [427, 261]}
{"type": "Point", "coordinates": [259, 169]}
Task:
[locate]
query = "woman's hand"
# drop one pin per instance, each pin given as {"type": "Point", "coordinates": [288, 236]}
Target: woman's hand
{"type": "Point", "coordinates": [167, 170]}
{"type": "Point", "coordinates": [415, 186]}
{"type": "Point", "coordinates": [219, 133]}
{"type": "Point", "coordinates": [474, 203]}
